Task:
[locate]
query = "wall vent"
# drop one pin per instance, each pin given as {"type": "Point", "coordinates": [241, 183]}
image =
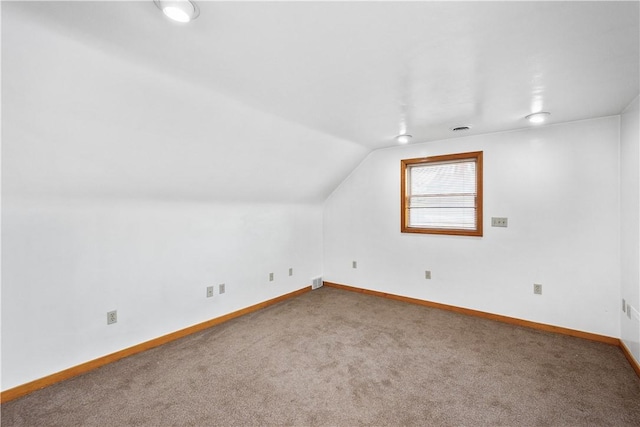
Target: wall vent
{"type": "Point", "coordinates": [316, 283]}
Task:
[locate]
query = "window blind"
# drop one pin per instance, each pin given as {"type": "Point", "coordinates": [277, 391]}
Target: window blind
{"type": "Point", "coordinates": [443, 195]}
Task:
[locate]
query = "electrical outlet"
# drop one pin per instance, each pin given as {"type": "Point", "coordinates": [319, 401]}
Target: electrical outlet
{"type": "Point", "coordinates": [624, 305]}
{"type": "Point", "coordinates": [427, 274]}
{"type": "Point", "coordinates": [209, 291]}
{"type": "Point", "coordinates": [271, 277]}
{"type": "Point", "coordinates": [112, 317]}
{"type": "Point", "coordinates": [628, 311]}
{"type": "Point", "coordinates": [537, 289]}
{"type": "Point", "coordinates": [499, 222]}
{"type": "Point", "coordinates": [221, 288]}
{"type": "Point", "coordinates": [354, 264]}
{"type": "Point", "coordinates": [290, 271]}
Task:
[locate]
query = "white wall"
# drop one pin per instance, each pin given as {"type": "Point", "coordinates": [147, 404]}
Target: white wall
{"type": "Point", "coordinates": [67, 262]}
{"type": "Point", "coordinates": [558, 186]}
{"type": "Point", "coordinates": [82, 121]}
{"type": "Point", "coordinates": [630, 225]}
{"type": "Point", "coordinates": [126, 188]}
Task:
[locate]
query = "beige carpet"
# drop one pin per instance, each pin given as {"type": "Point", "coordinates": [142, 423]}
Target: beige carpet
{"type": "Point", "coordinates": [332, 357]}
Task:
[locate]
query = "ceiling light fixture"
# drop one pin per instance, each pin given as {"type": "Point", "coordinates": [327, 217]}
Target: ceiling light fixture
{"type": "Point", "coordinates": [179, 10]}
{"type": "Point", "coordinates": [403, 139]}
{"type": "Point", "coordinates": [537, 118]}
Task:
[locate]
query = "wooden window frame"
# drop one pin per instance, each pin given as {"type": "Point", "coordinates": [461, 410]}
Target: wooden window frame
{"type": "Point", "coordinates": [404, 211]}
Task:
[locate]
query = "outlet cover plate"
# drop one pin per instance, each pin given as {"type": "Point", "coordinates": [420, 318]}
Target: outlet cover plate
{"type": "Point", "coordinates": [499, 221]}
{"type": "Point", "coordinates": [209, 291]}
{"type": "Point", "coordinates": [537, 289]}
{"type": "Point", "coordinates": [112, 317]}
{"type": "Point", "coordinates": [427, 274]}
{"type": "Point", "coordinates": [221, 288]}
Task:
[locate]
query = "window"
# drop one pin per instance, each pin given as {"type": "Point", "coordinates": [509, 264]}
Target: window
{"type": "Point", "coordinates": [442, 194]}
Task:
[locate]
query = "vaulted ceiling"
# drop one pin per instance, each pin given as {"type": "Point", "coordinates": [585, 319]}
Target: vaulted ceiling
{"type": "Point", "coordinates": [280, 100]}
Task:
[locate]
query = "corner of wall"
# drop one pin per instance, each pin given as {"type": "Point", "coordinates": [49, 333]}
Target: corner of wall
{"type": "Point", "coordinates": [629, 149]}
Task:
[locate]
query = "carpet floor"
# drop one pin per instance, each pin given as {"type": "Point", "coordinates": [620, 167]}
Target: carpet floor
{"type": "Point", "coordinates": [333, 357]}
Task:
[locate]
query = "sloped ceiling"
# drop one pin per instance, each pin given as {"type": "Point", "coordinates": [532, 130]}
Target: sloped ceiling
{"type": "Point", "coordinates": [278, 101]}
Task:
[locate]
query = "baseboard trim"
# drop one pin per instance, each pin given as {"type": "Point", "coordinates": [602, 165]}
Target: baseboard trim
{"type": "Point", "coordinates": [627, 353]}
{"type": "Point", "coordinates": [500, 318]}
{"type": "Point", "coordinates": [24, 389]}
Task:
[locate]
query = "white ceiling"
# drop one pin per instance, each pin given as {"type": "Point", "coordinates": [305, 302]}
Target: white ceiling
{"type": "Point", "coordinates": [359, 70]}
{"type": "Point", "coordinates": [345, 77]}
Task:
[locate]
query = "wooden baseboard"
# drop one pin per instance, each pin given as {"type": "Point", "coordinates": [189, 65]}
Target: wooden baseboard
{"type": "Point", "coordinates": [505, 319]}
{"type": "Point", "coordinates": [24, 389]}
{"type": "Point", "coordinates": [627, 353]}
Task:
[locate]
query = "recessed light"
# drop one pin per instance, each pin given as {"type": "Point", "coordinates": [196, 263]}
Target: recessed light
{"type": "Point", "coordinates": [537, 118]}
{"type": "Point", "coordinates": [178, 10]}
{"type": "Point", "coordinates": [403, 139]}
